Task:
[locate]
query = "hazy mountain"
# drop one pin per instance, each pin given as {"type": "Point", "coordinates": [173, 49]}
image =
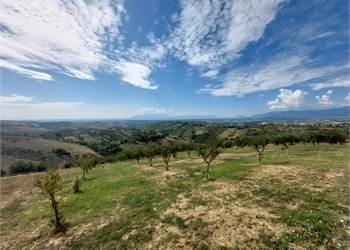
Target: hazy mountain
{"type": "Point", "coordinates": [321, 114]}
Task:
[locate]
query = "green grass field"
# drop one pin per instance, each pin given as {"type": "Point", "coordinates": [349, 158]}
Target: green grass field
{"type": "Point", "coordinates": [294, 200]}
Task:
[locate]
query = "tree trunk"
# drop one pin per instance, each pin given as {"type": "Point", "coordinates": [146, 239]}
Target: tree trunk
{"type": "Point", "coordinates": [83, 174]}
{"type": "Point", "coordinates": [55, 209]}
{"type": "Point", "coordinates": [138, 161]}
{"type": "Point", "coordinates": [208, 166]}
{"type": "Point", "coordinates": [150, 162]}
{"type": "Point", "coordinates": [166, 166]}
{"type": "Point", "coordinates": [259, 157]}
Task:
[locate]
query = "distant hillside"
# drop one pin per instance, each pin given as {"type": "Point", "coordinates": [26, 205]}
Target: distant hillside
{"type": "Point", "coordinates": [162, 117]}
{"type": "Point", "coordinates": [314, 114]}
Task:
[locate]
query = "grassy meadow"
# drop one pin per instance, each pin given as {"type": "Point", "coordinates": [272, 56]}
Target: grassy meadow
{"type": "Point", "coordinates": [296, 199]}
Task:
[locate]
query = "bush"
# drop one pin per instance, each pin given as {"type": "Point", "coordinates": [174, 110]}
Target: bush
{"type": "Point", "coordinates": [26, 167]}
{"type": "Point", "coordinates": [61, 152]}
{"type": "Point", "coordinates": [3, 172]}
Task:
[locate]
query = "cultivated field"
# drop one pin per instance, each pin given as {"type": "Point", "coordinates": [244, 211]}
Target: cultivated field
{"type": "Point", "coordinates": [296, 199]}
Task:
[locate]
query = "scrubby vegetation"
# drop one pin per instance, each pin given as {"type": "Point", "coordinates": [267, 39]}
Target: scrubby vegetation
{"type": "Point", "coordinates": [21, 167]}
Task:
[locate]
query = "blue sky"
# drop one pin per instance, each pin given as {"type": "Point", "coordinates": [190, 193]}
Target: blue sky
{"type": "Point", "coordinates": [116, 59]}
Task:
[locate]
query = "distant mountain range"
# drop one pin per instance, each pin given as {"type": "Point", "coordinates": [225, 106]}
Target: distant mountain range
{"type": "Point", "coordinates": [312, 114]}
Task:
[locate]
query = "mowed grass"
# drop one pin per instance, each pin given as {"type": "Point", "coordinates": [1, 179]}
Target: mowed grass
{"type": "Point", "coordinates": [122, 205]}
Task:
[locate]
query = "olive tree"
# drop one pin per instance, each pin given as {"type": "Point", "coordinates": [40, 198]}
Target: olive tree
{"type": "Point", "coordinates": [259, 143]}
{"type": "Point", "coordinates": [50, 184]}
{"type": "Point", "coordinates": [150, 152]}
{"type": "Point", "coordinates": [166, 153]}
{"type": "Point", "coordinates": [137, 153]}
{"type": "Point", "coordinates": [189, 147]}
{"type": "Point", "coordinates": [208, 153]}
{"type": "Point", "coordinates": [286, 141]}
{"type": "Point", "coordinates": [86, 163]}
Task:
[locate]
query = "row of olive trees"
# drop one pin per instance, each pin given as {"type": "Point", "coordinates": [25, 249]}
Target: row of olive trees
{"type": "Point", "coordinates": [207, 151]}
{"type": "Point", "coordinates": [165, 151]}
{"type": "Point", "coordinates": [260, 140]}
{"type": "Point", "coordinates": [50, 183]}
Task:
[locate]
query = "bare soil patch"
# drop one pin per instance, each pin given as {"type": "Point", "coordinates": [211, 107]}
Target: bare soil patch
{"type": "Point", "coordinates": [228, 222]}
{"type": "Point", "coordinates": [308, 178]}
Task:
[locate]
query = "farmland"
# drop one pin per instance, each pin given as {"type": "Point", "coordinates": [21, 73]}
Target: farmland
{"type": "Point", "coordinates": [296, 199]}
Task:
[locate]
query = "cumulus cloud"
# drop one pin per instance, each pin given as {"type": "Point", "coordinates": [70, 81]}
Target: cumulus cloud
{"type": "Point", "coordinates": [211, 33]}
{"type": "Point", "coordinates": [325, 100]}
{"type": "Point", "coordinates": [64, 36]}
{"type": "Point", "coordinates": [288, 99]}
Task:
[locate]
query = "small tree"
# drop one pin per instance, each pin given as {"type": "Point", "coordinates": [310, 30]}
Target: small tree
{"type": "Point", "coordinates": [150, 152]}
{"type": "Point", "coordinates": [286, 141]}
{"type": "Point", "coordinates": [166, 154]}
{"type": "Point", "coordinates": [259, 143]}
{"type": "Point", "coordinates": [208, 154]}
{"type": "Point", "coordinates": [80, 163]}
{"type": "Point", "coordinates": [86, 163]}
{"type": "Point", "coordinates": [135, 153]}
{"type": "Point", "coordinates": [91, 161]}
{"type": "Point", "coordinates": [189, 147]}
{"type": "Point", "coordinates": [50, 184]}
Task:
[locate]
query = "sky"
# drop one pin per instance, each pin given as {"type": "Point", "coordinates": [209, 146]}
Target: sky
{"type": "Point", "coordinates": [114, 59]}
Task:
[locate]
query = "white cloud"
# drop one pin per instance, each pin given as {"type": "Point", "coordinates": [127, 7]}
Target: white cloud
{"type": "Point", "coordinates": [64, 36]}
{"type": "Point", "coordinates": [5, 100]}
{"type": "Point", "coordinates": [288, 99]}
{"type": "Point", "coordinates": [211, 33]}
{"type": "Point", "coordinates": [325, 100]}
{"type": "Point", "coordinates": [347, 98]}
{"type": "Point", "coordinates": [211, 73]}
{"type": "Point", "coordinates": [340, 81]}
{"type": "Point", "coordinates": [26, 101]}
{"type": "Point", "coordinates": [155, 110]}
{"type": "Point", "coordinates": [27, 72]}
{"type": "Point", "coordinates": [135, 74]}
{"type": "Point", "coordinates": [281, 71]}
{"type": "Point", "coordinates": [23, 107]}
